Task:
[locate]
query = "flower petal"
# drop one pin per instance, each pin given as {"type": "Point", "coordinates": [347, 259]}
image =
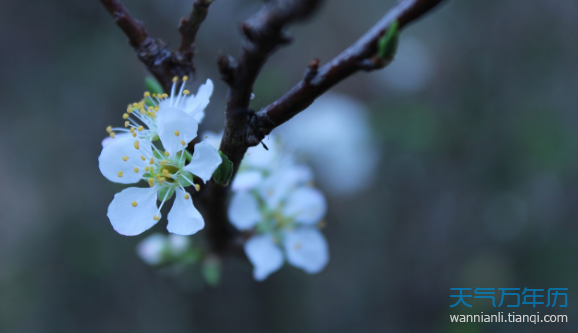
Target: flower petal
{"type": "Point", "coordinates": [306, 248]}
{"type": "Point", "coordinates": [121, 162]}
{"type": "Point", "coordinates": [247, 180]}
{"type": "Point", "coordinates": [205, 161]}
{"type": "Point", "coordinates": [306, 205]}
{"type": "Point", "coordinates": [196, 104]}
{"type": "Point", "coordinates": [108, 140]}
{"type": "Point", "coordinates": [265, 256]}
{"type": "Point", "coordinates": [151, 249]}
{"type": "Point", "coordinates": [132, 211]}
{"type": "Point", "coordinates": [175, 127]}
{"type": "Point", "coordinates": [278, 185]}
{"type": "Point", "coordinates": [184, 218]}
{"type": "Point", "coordinates": [244, 210]}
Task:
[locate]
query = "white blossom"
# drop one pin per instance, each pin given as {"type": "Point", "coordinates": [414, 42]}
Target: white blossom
{"type": "Point", "coordinates": [133, 156]}
{"type": "Point", "coordinates": [277, 202]}
{"type": "Point", "coordinates": [157, 248]}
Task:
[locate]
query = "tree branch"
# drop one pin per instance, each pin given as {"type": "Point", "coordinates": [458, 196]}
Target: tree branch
{"type": "Point", "coordinates": [161, 62]}
{"type": "Point", "coordinates": [359, 56]}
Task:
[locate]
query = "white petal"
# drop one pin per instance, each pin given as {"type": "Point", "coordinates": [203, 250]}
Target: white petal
{"type": "Point", "coordinates": [259, 157]}
{"type": "Point", "coordinates": [275, 188]}
{"type": "Point", "coordinates": [175, 126]}
{"type": "Point", "coordinates": [108, 140]}
{"type": "Point", "coordinates": [151, 249]}
{"type": "Point", "coordinates": [178, 244]}
{"type": "Point", "coordinates": [265, 256]}
{"type": "Point", "coordinates": [306, 248]}
{"type": "Point", "coordinates": [119, 158]}
{"type": "Point", "coordinates": [246, 180]}
{"type": "Point", "coordinates": [184, 218]}
{"type": "Point", "coordinates": [205, 161]}
{"type": "Point", "coordinates": [244, 211]}
{"type": "Point", "coordinates": [306, 205]}
{"type": "Point", "coordinates": [196, 104]}
{"type": "Point", "coordinates": [129, 220]}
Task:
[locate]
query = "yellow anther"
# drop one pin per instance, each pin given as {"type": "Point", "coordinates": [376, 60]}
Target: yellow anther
{"type": "Point", "coordinates": [165, 95]}
{"type": "Point", "coordinates": [125, 116]}
{"type": "Point", "coordinates": [131, 129]}
{"type": "Point", "coordinates": [185, 78]}
{"type": "Point", "coordinates": [135, 105]}
{"type": "Point", "coordinates": [134, 204]}
{"type": "Point", "coordinates": [136, 146]}
{"type": "Point", "coordinates": [126, 123]}
{"type": "Point", "coordinates": [151, 182]}
{"type": "Point", "coordinates": [140, 128]}
{"type": "Point", "coordinates": [134, 135]}
{"type": "Point", "coordinates": [175, 79]}
{"type": "Point", "coordinates": [147, 169]}
{"type": "Point", "coordinates": [197, 187]}
{"type": "Point", "coordinates": [143, 158]}
{"type": "Point", "coordinates": [162, 179]}
{"type": "Point", "coordinates": [156, 107]}
{"type": "Point", "coordinates": [167, 174]}
{"type": "Point", "coordinates": [125, 158]}
{"type": "Point", "coordinates": [156, 218]}
{"type": "Point", "coordinates": [154, 95]}
{"type": "Point", "coordinates": [187, 196]}
{"type": "Point", "coordinates": [183, 142]}
{"type": "Point", "coordinates": [109, 129]}
{"type": "Point", "coordinates": [177, 133]}
{"type": "Point", "coordinates": [142, 111]}
{"type": "Point", "coordinates": [112, 135]}
{"type": "Point", "coordinates": [135, 170]}
{"type": "Point", "coordinates": [166, 153]}
{"type": "Point", "coordinates": [164, 162]}
{"type": "Point", "coordinates": [152, 161]}
{"type": "Point", "coordinates": [147, 94]}
{"type": "Point", "coordinates": [120, 174]}
{"type": "Point", "coordinates": [186, 92]}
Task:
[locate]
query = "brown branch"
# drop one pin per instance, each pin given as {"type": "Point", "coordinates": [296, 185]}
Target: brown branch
{"type": "Point", "coordinates": [359, 56]}
{"type": "Point", "coordinates": [189, 28]}
{"type": "Point", "coordinates": [161, 62]}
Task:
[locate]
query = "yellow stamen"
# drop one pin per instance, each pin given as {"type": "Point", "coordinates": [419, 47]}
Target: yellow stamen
{"type": "Point", "coordinates": [136, 146]}
{"type": "Point", "coordinates": [109, 129]}
{"type": "Point", "coordinates": [133, 134]}
{"type": "Point", "coordinates": [135, 170]}
{"type": "Point", "coordinates": [186, 92]}
{"type": "Point", "coordinates": [162, 179]}
{"type": "Point", "coordinates": [112, 135]}
{"type": "Point", "coordinates": [166, 153]}
{"type": "Point", "coordinates": [147, 94]}
{"type": "Point", "coordinates": [167, 174]}
{"type": "Point", "coordinates": [197, 187]}
{"type": "Point", "coordinates": [175, 79]}
{"type": "Point", "coordinates": [125, 158]}
{"type": "Point", "coordinates": [177, 133]}
{"type": "Point", "coordinates": [163, 162]}
{"type": "Point", "coordinates": [152, 161]}
{"type": "Point", "coordinates": [143, 158]}
{"type": "Point", "coordinates": [156, 218]}
{"type": "Point", "coordinates": [126, 123]}
{"type": "Point", "coordinates": [147, 169]}
{"type": "Point", "coordinates": [183, 142]}
{"type": "Point", "coordinates": [185, 78]}
{"type": "Point", "coordinates": [131, 130]}
{"type": "Point", "coordinates": [187, 196]}
{"type": "Point", "coordinates": [134, 204]}
{"type": "Point", "coordinates": [125, 116]}
{"type": "Point", "coordinates": [140, 128]}
{"type": "Point", "coordinates": [151, 182]}
{"type": "Point", "coordinates": [120, 174]}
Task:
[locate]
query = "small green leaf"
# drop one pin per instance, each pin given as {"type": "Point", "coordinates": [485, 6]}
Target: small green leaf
{"type": "Point", "coordinates": [387, 44]}
{"type": "Point", "coordinates": [153, 86]}
{"type": "Point", "coordinates": [211, 270]}
{"type": "Point", "coordinates": [165, 193]}
{"type": "Point", "coordinates": [223, 174]}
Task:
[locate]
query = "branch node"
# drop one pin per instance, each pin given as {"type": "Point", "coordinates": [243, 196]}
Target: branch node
{"type": "Point", "coordinates": [227, 66]}
{"type": "Point", "coordinates": [311, 71]}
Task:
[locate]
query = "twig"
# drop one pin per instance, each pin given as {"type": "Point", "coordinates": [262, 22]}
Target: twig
{"type": "Point", "coordinates": [359, 56]}
{"type": "Point", "coordinates": [161, 62]}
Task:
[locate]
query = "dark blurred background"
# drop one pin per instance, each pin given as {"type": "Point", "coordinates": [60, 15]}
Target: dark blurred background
{"type": "Point", "coordinates": [476, 186]}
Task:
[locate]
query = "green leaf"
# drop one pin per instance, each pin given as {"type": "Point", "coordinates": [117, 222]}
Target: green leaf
{"type": "Point", "coordinates": [223, 174]}
{"type": "Point", "coordinates": [166, 191]}
{"type": "Point", "coordinates": [387, 44]}
{"type": "Point", "coordinates": [211, 270]}
{"type": "Point", "coordinates": [153, 86]}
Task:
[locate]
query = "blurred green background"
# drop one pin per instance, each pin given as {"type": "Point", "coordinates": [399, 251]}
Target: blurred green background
{"type": "Point", "coordinates": [476, 186]}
